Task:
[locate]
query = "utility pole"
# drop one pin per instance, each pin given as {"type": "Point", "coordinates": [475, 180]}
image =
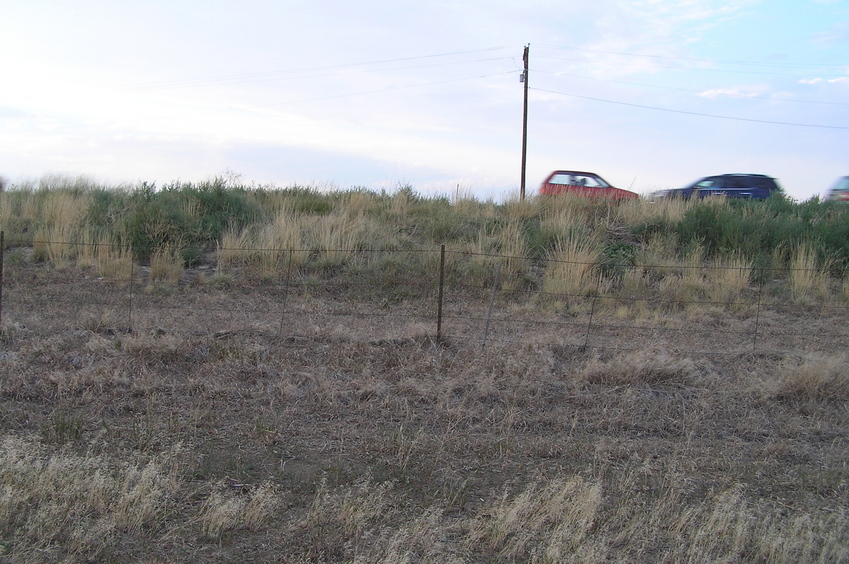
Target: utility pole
{"type": "Point", "coordinates": [524, 79]}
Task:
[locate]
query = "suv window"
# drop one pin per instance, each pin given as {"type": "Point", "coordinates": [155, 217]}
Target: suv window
{"type": "Point", "coordinates": [750, 181]}
{"type": "Point", "coordinates": [708, 183]}
{"type": "Point", "coordinates": [742, 182]}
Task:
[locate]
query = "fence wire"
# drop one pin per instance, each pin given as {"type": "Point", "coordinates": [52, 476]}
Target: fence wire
{"type": "Point", "coordinates": [378, 299]}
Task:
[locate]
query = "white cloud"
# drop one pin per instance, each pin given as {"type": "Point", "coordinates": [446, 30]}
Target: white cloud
{"type": "Point", "coordinates": [732, 92]}
{"type": "Point", "coordinates": [818, 80]}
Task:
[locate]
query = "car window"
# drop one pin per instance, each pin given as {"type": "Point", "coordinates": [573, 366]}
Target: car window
{"type": "Point", "coordinates": [591, 181]}
{"type": "Point", "coordinates": [577, 180]}
{"type": "Point", "coordinates": [561, 179]}
{"type": "Point", "coordinates": [706, 184]}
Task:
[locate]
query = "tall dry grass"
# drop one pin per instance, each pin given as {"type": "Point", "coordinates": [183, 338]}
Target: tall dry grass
{"type": "Point", "coordinates": [271, 249]}
{"type": "Point", "coordinates": [571, 266]}
{"type": "Point", "coordinates": [544, 523]}
{"type": "Point", "coordinates": [808, 279]}
{"type": "Point", "coordinates": [110, 260]}
{"type": "Point", "coordinates": [685, 280]}
{"type": "Point", "coordinates": [727, 278]}
{"type": "Point", "coordinates": [59, 227]}
{"type": "Point", "coordinates": [166, 265]}
{"type": "Point", "coordinates": [819, 378]}
{"type": "Point", "coordinates": [325, 233]}
{"type": "Point", "coordinates": [228, 509]}
{"type": "Point", "coordinates": [19, 214]}
{"type": "Point", "coordinates": [635, 212]}
{"type": "Point", "coordinates": [516, 208]}
{"type": "Point", "coordinates": [63, 504]}
{"type": "Point", "coordinates": [572, 519]}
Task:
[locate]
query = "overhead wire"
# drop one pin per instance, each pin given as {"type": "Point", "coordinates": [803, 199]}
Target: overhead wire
{"type": "Point", "coordinates": [679, 89]}
{"type": "Point", "coordinates": [303, 72]}
{"type": "Point", "coordinates": [700, 60]}
{"type": "Point", "coordinates": [346, 69]}
{"type": "Point", "coordinates": [701, 114]}
{"type": "Point", "coordinates": [381, 90]}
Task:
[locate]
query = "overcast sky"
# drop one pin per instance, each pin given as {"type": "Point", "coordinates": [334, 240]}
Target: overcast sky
{"type": "Point", "coordinates": [649, 94]}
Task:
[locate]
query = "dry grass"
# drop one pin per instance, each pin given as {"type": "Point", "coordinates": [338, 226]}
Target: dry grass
{"type": "Point", "coordinates": [547, 523]}
{"type": "Point", "coordinates": [727, 278]}
{"type": "Point", "coordinates": [818, 379]}
{"type": "Point", "coordinates": [166, 265]}
{"type": "Point", "coordinates": [643, 367]}
{"type": "Point", "coordinates": [291, 238]}
{"type": "Point", "coordinates": [571, 267]}
{"type": "Point", "coordinates": [208, 433]}
{"type": "Point", "coordinates": [58, 504]}
{"type": "Point", "coordinates": [518, 209]}
{"type": "Point", "coordinates": [634, 212]}
{"type": "Point", "coordinates": [807, 278]}
{"type": "Point", "coordinates": [229, 508]}
{"type": "Point", "coordinates": [245, 419]}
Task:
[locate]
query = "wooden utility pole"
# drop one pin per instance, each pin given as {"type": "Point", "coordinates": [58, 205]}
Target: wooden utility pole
{"type": "Point", "coordinates": [524, 78]}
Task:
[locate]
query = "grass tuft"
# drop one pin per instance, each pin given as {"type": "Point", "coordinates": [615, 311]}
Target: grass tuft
{"type": "Point", "coordinates": [819, 379]}
{"type": "Point", "coordinates": [642, 367]}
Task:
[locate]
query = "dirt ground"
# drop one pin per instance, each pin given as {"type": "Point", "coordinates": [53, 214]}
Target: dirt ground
{"type": "Point", "coordinates": [304, 427]}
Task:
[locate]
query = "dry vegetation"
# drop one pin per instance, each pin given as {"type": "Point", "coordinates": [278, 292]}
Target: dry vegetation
{"type": "Point", "coordinates": [225, 427]}
{"type": "Point", "coordinates": [323, 444]}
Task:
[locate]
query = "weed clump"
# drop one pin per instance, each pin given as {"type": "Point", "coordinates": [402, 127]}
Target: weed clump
{"type": "Point", "coordinates": [821, 379]}
{"type": "Point", "coordinates": [642, 367]}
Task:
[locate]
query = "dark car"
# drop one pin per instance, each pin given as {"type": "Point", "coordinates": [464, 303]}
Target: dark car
{"type": "Point", "coordinates": [584, 184]}
{"type": "Point", "coordinates": [840, 191]}
{"type": "Point", "coordinates": [748, 186]}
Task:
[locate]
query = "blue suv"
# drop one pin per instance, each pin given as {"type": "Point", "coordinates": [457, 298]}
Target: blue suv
{"type": "Point", "coordinates": [748, 186]}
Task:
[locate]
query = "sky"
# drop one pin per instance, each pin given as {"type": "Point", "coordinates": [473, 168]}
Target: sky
{"type": "Point", "coordinates": [649, 94]}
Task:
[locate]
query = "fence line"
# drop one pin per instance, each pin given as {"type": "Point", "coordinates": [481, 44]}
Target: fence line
{"type": "Point", "coordinates": [302, 304]}
{"type": "Point", "coordinates": [461, 253]}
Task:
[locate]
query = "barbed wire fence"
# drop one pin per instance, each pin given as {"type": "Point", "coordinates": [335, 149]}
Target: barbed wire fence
{"type": "Point", "coordinates": [309, 295]}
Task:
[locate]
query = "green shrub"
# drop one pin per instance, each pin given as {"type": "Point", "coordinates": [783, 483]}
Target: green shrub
{"type": "Point", "coordinates": [759, 230]}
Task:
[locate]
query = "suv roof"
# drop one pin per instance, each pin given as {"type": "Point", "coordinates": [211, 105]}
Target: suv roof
{"type": "Point", "coordinates": [743, 180]}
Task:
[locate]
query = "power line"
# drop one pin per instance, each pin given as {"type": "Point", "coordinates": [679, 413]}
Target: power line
{"type": "Point", "coordinates": [299, 72]}
{"type": "Point", "coordinates": [657, 108]}
{"type": "Point", "coordinates": [690, 69]}
{"type": "Point", "coordinates": [840, 66]}
{"type": "Point", "coordinates": [246, 80]}
{"type": "Point", "coordinates": [678, 89]}
{"type": "Point", "coordinates": [383, 90]}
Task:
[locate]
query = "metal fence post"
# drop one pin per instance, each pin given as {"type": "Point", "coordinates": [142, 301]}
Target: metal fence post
{"type": "Point", "coordinates": [592, 312]}
{"type": "Point", "coordinates": [285, 293]}
{"type": "Point", "coordinates": [491, 302]}
{"type": "Point", "coordinates": [2, 256]}
{"type": "Point", "coordinates": [758, 313]}
{"type": "Point", "coordinates": [441, 293]}
{"type": "Point", "coordinates": [130, 309]}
